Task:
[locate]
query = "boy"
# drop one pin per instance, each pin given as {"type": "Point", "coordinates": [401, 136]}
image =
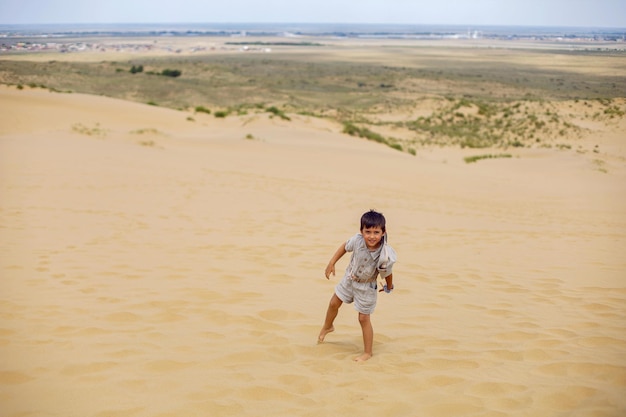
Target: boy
{"type": "Point", "coordinates": [371, 255]}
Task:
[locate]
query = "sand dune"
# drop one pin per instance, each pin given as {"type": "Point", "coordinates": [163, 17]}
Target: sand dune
{"type": "Point", "coordinates": [155, 266]}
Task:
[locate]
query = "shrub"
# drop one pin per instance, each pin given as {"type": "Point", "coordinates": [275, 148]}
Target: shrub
{"type": "Point", "coordinates": [351, 129]}
{"type": "Point", "coordinates": [365, 133]}
{"type": "Point", "coordinates": [201, 109]}
{"type": "Point", "coordinates": [171, 73]}
{"type": "Point", "coordinates": [220, 114]}
{"type": "Point", "coordinates": [278, 112]}
{"type": "Point", "coordinates": [614, 111]}
{"type": "Point", "coordinates": [368, 134]}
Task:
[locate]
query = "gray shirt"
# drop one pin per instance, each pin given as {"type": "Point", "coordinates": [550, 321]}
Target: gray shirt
{"type": "Point", "coordinates": [365, 265]}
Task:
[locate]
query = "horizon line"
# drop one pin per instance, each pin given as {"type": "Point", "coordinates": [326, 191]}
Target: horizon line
{"type": "Point", "coordinates": [317, 23]}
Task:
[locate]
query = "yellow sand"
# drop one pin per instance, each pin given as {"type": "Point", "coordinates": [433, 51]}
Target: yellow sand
{"type": "Point", "coordinates": [156, 266]}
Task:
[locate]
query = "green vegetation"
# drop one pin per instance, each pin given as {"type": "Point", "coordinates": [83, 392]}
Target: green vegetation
{"type": "Point", "coordinates": [274, 110]}
{"type": "Point", "coordinates": [614, 111]}
{"type": "Point", "coordinates": [319, 83]}
{"type": "Point", "coordinates": [171, 73]}
{"type": "Point", "coordinates": [147, 131]}
{"type": "Point", "coordinates": [496, 101]}
{"type": "Point", "coordinates": [476, 124]}
{"type": "Point", "coordinates": [89, 131]}
{"type": "Point", "coordinates": [136, 68]}
{"type": "Point", "coordinates": [471, 159]}
{"type": "Point", "coordinates": [202, 109]}
{"type": "Point", "coordinates": [365, 133]}
{"type": "Point", "coordinates": [600, 165]}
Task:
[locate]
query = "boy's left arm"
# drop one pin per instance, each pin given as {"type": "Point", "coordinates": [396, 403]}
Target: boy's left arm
{"type": "Point", "coordinates": [388, 287]}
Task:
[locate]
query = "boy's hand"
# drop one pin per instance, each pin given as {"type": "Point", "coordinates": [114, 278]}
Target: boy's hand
{"type": "Point", "coordinates": [330, 269]}
{"type": "Point", "coordinates": [385, 289]}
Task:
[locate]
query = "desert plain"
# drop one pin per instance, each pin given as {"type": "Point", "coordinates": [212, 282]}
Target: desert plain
{"type": "Point", "coordinates": [157, 260]}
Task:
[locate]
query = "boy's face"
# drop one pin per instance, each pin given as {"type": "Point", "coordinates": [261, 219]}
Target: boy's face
{"type": "Point", "coordinates": [372, 236]}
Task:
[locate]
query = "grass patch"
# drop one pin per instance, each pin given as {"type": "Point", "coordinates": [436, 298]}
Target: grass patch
{"type": "Point", "coordinates": [600, 165]}
{"type": "Point", "coordinates": [202, 109]}
{"type": "Point", "coordinates": [363, 132]}
{"type": "Point", "coordinates": [614, 111]}
{"type": "Point", "coordinates": [146, 131]}
{"type": "Point", "coordinates": [89, 131]}
{"type": "Point", "coordinates": [473, 123]}
{"type": "Point", "coordinates": [476, 158]}
{"type": "Point", "coordinates": [277, 112]}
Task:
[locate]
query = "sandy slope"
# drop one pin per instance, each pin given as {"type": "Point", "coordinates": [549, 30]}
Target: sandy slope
{"type": "Point", "coordinates": [154, 266]}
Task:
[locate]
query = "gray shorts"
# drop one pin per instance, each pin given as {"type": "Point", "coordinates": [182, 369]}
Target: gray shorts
{"type": "Point", "coordinates": [363, 294]}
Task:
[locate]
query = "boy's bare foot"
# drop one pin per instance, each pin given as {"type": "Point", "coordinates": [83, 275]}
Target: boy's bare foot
{"type": "Point", "coordinates": [323, 333]}
{"type": "Point", "coordinates": [363, 357]}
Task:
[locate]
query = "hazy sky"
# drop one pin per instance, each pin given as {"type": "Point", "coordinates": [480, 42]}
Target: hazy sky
{"type": "Point", "coordinates": [589, 13]}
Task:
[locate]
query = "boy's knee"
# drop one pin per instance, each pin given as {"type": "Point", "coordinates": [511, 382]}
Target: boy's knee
{"type": "Point", "coordinates": [364, 318]}
{"type": "Point", "coordinates": [335, 302]}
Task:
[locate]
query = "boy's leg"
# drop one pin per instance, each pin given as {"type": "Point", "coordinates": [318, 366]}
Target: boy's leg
{"type": "Point", "coordinates": [368, 337]}
{"type": "Point", "coordinates": [331, 314]}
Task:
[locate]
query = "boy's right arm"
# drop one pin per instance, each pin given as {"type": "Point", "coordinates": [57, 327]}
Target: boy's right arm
{"type": "Point", "coordinates": [330, 268]}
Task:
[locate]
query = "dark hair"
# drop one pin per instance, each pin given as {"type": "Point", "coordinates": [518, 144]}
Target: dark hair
{"type": "Point", "coordinates": [373, 218]}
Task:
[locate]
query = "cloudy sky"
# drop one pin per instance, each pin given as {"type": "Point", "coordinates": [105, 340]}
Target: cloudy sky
{"type": "Point", "coordinates": [585, 13]}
